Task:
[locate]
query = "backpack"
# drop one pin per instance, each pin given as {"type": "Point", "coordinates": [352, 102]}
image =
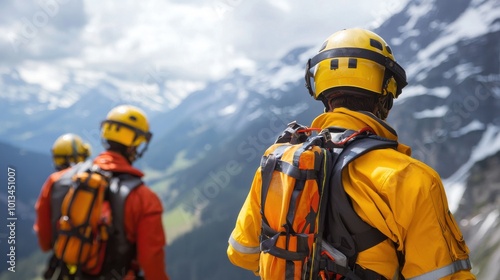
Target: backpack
{"type": "Point", "coordinates": [85, 221]}
{"type": "Point", "coordinates": [88, 219]}
{"type": "Point", "coordinates": [299, 174]}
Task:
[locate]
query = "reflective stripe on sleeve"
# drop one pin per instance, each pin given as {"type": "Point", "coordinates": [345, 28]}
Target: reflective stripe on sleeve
{"type": "Point", "coordinates": [243, 249]}
{"type": "Point", "coordinates": [444, 271]}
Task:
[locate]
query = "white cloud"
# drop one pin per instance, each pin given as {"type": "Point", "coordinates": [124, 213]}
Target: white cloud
{"type": "Point", "coordinates": [49, 77]}
{"type": "Point", "coordinates": [185, 40]}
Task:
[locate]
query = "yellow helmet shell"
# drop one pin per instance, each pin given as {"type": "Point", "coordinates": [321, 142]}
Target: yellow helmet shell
{"type": "Point", "coordinates": [127, 125]}
{"type": "Point", "coordinates": [355, 58]}
{"type": "Point", "coordinates": [69, 149]}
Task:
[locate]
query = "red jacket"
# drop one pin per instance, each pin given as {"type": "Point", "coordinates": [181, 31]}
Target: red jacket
{"type": "Point", "coordinates": [43, 227]}
{"type": "Point", "coordinates": [143, 223]}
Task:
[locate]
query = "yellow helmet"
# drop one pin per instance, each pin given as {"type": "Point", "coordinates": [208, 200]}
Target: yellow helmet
{"type": "Point", "coordinates": [127, 125]}
{"type": "Point", "coordinates": [69, 149]}
{"type": "Point", "coordinates": [355, 59]}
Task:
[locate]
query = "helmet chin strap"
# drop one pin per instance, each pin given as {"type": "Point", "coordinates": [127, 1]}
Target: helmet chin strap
{"type": "Point", "coordinates": [384, 106]}
{"type": "Point", "coordinates": [133, 153]}
{"type": "Point", "coordinates": [382, 114]}
{"type": "Point", "coordinates": [326, 102]}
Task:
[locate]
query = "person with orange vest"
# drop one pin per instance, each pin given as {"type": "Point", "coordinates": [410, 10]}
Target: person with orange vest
{"type": "Point", "coordinates": [138, 250]}
{"type": "Point", "coordinates": [356, 77]}
{"type": "Point", "coordinates": [67, 150]}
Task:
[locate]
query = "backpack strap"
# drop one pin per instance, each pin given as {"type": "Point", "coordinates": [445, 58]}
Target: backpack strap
{"type": "Point", "coordinates": [347, 231]}
{"type": "Point", "coordinates": [119, 252]}
{"type": "Point", "coordinates": [323, 183]}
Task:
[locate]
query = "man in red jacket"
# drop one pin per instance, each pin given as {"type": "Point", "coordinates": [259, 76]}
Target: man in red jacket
{"type": "Point", "coordinates": [139, 253]}
{"type": "Point", "coordinates": [67, 150]}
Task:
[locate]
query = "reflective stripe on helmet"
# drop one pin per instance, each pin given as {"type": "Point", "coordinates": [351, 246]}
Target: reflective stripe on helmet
{"type": "Point", "coordinates": [391, 65]}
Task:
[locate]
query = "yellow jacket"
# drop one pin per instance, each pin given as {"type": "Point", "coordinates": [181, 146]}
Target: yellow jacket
{"type": "Point", "coordinates": [400, 196]}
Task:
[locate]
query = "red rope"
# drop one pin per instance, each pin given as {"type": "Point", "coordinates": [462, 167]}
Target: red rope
{"type": "Point", "coordinates": [363, 130]}
{"type": "Point", "coordinates": [305, 130]}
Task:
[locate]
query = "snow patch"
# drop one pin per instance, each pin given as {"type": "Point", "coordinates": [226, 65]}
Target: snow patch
{"type": "Point", "coordinates": [487, 146]}
{"type": "Point", "coordinates": [147, 95]}
{"type": "Point", "coordinates": [412, 91]}
{"type": "Point", "coordinates": [441, 92]}
{"type": "Point", "coordinates": [483, 224]}
{"type": "Point", "coordinates": [228, 110]}
{"type": "Point", "coordinates": [437, 112]}
{"type": "Point", "coordinates": [454, 191]}
{"type": "Point", "coordinates": [472, 126]}
{"type": "Point", "coordinates": [404, 36]}
{"type": "Point", "coordinates": [242, 95]}
{"type": "Point", "coordinates": [463, 71]}
{"type": "Point", "coordinates": [255, 115]}
{"type": "Point", "coordinates": [282, 76]}
{"type": "Point", "coordinates": [488, 223]}
{"type": "Point", "coordinates": [415, 12]}
{"type": "Point", "coordinates": [277, 75]}
{"type": "Point", "coordinates": [473, 23]}
{"type": "Point", "coordinates": [177, 90]}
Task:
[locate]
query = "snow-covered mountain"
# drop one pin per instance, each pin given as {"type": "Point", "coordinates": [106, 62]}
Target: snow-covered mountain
{"type": "Point", "coordinates": [36, 110]}
{"type": "Point", "coordinates": [207, 144]}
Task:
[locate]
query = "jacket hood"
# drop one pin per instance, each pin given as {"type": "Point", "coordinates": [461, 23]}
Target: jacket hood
{"type": "Point", "coordinates": [356, 120]}
{"type": "Point", "coordinates": [116, 163]}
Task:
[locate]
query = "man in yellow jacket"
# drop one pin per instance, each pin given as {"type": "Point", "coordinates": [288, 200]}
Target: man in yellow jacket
{"type": "Point", "coordinates": [356, 76]}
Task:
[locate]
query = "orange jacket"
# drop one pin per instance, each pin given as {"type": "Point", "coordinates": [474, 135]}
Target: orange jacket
{"type": "Point", "coordinates": [143, 223]}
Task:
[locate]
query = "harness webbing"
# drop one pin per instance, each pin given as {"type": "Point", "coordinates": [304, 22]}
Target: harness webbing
{"type": "Point", "coordinates": [345, 230]}
{"type": "Point", "coordinates": [363, 235]}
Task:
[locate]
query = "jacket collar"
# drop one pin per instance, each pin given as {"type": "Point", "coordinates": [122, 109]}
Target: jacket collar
{"type": "Point", "coordinates": [116, 163]}
{"type": "Point", "coordinates": [356, 120]}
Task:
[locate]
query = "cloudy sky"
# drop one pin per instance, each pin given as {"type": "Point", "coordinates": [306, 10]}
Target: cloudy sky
{"type": "Point", "coordinates": [186, 40]}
